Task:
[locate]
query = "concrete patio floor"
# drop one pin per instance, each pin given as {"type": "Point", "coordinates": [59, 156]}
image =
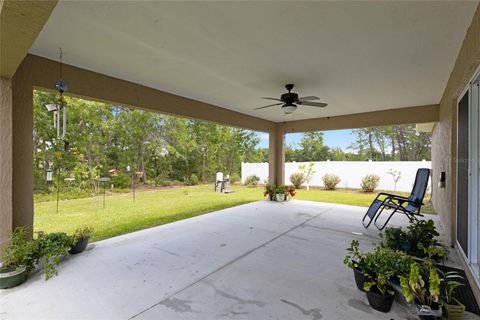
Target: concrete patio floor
{"type": "Point", "coordinates": [262, 260]}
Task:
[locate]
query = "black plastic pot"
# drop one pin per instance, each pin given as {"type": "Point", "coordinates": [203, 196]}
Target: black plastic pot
{"type": "Point", "coordinates": [359, 279]}
{"type": "Point", "coordinates": [380, 302]}
{"type": "Point", "coordinates": [11, 277]}
{"type": "Point", "coordinates": [80, 246]}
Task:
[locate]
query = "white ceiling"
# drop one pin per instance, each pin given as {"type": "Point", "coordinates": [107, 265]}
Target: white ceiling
{"type": "Point", "coordinates": [356, 56]}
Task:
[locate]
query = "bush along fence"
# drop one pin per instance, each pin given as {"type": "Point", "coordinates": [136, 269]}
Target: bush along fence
{"type": "Point", "coordinates": [394, 175]}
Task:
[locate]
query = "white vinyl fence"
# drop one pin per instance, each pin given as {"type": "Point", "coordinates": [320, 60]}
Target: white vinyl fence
{"type": "Point", "coordinates": [350, 172]}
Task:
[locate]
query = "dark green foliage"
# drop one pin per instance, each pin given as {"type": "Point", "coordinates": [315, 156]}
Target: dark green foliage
{"type": "Point", "coordinates": [419, 235]}
{"type": "Point", "coordinates": [192, 180]}
{"type": "Point", "coordinates": [50, 247]}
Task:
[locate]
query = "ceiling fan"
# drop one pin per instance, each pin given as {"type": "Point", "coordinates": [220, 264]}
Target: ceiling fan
{"type": "Point", "coordinates": [290, 100]}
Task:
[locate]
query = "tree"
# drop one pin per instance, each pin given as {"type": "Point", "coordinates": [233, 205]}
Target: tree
{"type": "Point", "coordinates": [312, 147]}
{"type": "Point", "coordinates": [308, 173]}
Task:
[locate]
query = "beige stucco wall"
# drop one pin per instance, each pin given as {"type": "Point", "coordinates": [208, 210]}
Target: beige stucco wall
{"type": "Point", "coordinates": [444, 138]}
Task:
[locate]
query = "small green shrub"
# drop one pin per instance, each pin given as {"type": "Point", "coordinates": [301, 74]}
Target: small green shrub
{"type": "Point", "coordinates": [370, 182]}
{"type": "Point", "coordinates": [330, 181]}
{"type": "Point", "coordinates": [122, 181]}
{"type": "Point", "coordinates": [192, 180]}
{"type": "Point", "coordinates": [186, 191]}
{"type": "Point", "coordinates": [234, 178]}
{"type": "Point", "coordinates": [252, 181]}
{"type": "Point", "coordinates": [297, 179]}
{"type": "Point", "coordinates": [82, 234]}
{"type": "Point", "coordinates": [19, 251]}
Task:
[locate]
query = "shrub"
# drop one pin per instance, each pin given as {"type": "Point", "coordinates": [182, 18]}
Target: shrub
{"type": "Point", "coordinates": [234, 178]}
{"type": "Point", "coordinates": [370, 182]}
{"type": "Point", "coordinates": [122, 181]}
{"type": "Point", "coordinates": [252, 181]}
{"type": "Point", "coordinates": [297, 179]}
{"type": "Point", "coordinates": [192, 180]}
{"type": "Point", "coordinates": [186, 191]}
{"type": "Point", "coordinates": [330, 181]}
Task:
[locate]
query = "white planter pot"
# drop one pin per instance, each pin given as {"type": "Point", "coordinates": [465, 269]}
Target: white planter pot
{"type": "Point", "coordinates": [280, 197]}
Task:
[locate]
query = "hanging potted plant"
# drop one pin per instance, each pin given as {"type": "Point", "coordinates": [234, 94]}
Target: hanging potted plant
{"type": "Point", "coordinates": [452, 308]}
{"type": "Point", "coordinates": [80, 240]}
{"type": "Point", "coordinates": [17, 259]}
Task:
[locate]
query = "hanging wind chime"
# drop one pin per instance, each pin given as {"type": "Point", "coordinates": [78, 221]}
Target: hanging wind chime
{"type": "Point", "coordinates": [60, 124]}
{"type": "Point", "coordinates": [59, 106]}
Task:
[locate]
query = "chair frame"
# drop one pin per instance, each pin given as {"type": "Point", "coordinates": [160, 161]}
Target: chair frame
{"type": "Point", "coordinates": [396, 203]}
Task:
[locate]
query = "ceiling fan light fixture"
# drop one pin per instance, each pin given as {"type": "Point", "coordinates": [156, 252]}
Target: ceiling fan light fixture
{"type": "Point", "coordinates": [289, 108]}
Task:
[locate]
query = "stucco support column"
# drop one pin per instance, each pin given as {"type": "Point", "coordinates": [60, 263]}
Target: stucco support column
{"type": "Point", "coordinates": [22, 147]}
{"type": "Point", "coordinates": [16, 153]}
{"type": "Point", "coordinates": [276, 155]}
{"type": "Point", "coordinates": [6, 157]}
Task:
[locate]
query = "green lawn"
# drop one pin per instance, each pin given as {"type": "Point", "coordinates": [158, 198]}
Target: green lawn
{"type": "Point", "coordinates": [153, 208]}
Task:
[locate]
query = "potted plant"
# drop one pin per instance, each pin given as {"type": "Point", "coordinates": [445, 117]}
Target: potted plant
{"type": "Point", "coordinates": [452, 308]}
{"type": "Point", "coordinates": [422, 287]}
{"type": "Point", "coordinates": [80, 239]}
{"type": "Point", "coordinates": [358, 262]}
{"type": "Point", "coordinates": [50, 247]}
{"type": "Point", "coordinates": [379, 292]}
{"type": "Point", "coordinates": [270, 190]}
{"type": "Point", "coordinates": [16, 260]}
{"type": "Point", "coordinates": [280, 193]}
{"type": "Point", "coordinates": [291, 192]}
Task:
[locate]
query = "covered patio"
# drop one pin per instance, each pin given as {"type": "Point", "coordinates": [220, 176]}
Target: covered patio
{"type": "Point", "coordinates": [263, 260]}
{"type": "Point", "coordinates": [375, 64]}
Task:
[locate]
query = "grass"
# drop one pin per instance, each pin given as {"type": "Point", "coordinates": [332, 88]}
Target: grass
{"type": "Point", "coordinates": [153, 208]}
{"type": "Point", "coordinates": [348, 196]}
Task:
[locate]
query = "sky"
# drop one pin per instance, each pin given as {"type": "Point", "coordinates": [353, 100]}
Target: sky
{"type": "Point", "coordinates": [333, 139]}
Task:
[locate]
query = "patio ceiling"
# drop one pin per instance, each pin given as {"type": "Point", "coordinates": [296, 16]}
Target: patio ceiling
{"type": "Point", "coordinates": [358, 57]}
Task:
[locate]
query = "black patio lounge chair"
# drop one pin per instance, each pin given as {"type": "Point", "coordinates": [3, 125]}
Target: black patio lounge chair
{"type": "Point", "coordinates": [409, 206]}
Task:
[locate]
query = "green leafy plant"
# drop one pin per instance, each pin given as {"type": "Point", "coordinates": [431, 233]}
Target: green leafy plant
{"type": "Point", "coordinates": [370, 182]}
{"type": "Point", "coordinates": [186, 191]}
{"type": "Point", "coordinates": [252, 181]}
{"type": "Point", "coordinates": [50, 248]}
{"type": "Point", "coordinates": [82, 234]}
{"type": "Point", "coordinates": [330, 181]}
{"type": "Point", "coordinates": [192, 180]}
{"type": "Point", "coordinates": [452, 280]}
{"type": "Point", "coordinates": [422, 285]}
{"type": "Point", "coordinates": [281, 189]}
{"type": "Point", "coordinates": [297, 179]}
{"type": "Point", "coordinates": [19, 250]}
{"type": "Point", "coordinates": [418, 236]}
{"type": "Point", "coordinates": [356, 259]}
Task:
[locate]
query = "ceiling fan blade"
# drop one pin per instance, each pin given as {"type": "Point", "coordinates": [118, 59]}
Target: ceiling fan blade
{"type": "Point", "coordinates": [270, 105]}
{"type": "Point", "coordinates": [271, 99]}
{"type": "Point", "coordinates": [308, 98]}
{"type": "Point", "coordinates": [313, 104]}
